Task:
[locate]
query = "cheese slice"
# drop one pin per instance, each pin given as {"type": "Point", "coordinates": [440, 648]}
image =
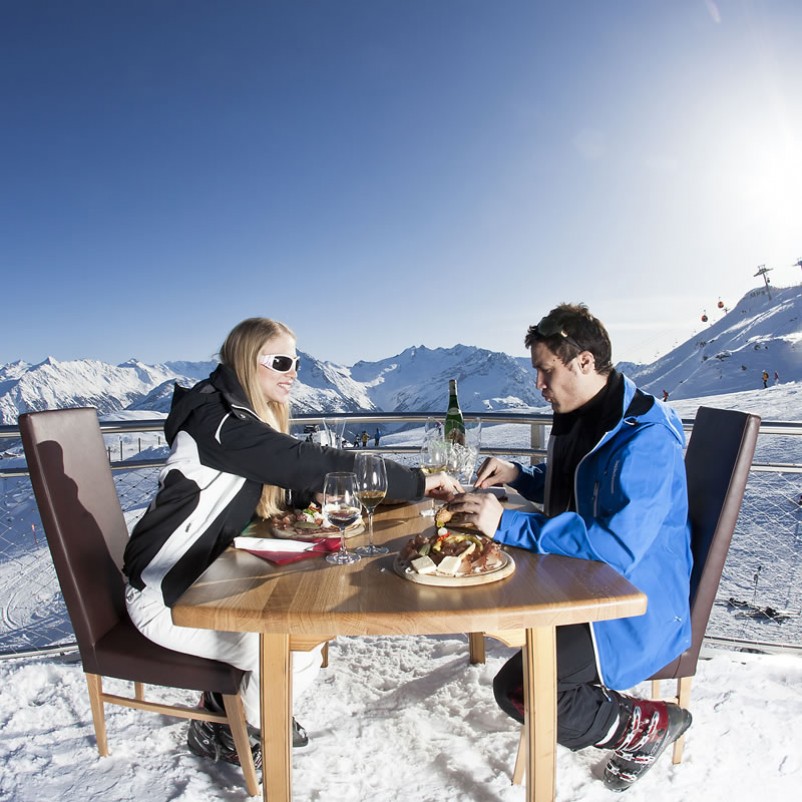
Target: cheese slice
{"type": "Point", "coordinates": [423, 565]}
{"type": "Point", "coordinates": [449, 565]}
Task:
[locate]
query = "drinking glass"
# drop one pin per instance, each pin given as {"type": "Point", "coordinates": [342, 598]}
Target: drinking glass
{"type": "Point", "coordinates": [334, 431]}
{"type": "Point", "coordinates": [453, 458]}
{"type": "Point", "coordinates": [468, 454]}
{"type": "Point", "coordinates": [341, 508]}
{"type": "Point", "coordinates": [432, 428]}
{"type": "Point", "coordinates": [433, 459]}
{"type": "Point", "coordinates": [371, 485]}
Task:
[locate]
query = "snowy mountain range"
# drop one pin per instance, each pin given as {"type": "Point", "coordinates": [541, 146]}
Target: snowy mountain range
{"type": "Point", "coordinates": [762, 332]}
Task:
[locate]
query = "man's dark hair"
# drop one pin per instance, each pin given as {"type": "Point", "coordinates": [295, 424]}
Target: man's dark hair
{"type": "Point", "coordinates": [570, 329]}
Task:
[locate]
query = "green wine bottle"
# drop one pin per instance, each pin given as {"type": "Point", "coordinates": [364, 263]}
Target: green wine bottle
{"type": "Point", "coordinates": [455, 424]}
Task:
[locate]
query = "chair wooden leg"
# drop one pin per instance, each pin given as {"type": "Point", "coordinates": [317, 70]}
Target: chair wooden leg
{"type": "Point", "coordinates": [95, 685]}
{"type": "Point", "coordinates": [476, 647]}
{"type": "Point", "coordinates": [684, 692]}
{"type": "Point", "coordinates": [684, 700]}
{"type": "Point", "coordinates": [139, 691]}
{"type": "Point", "coordinates": [235, 711]}
{"type": "Point", "coordinates": [324, 654]}
{"type": "Point", "coordinates": [520, 760]}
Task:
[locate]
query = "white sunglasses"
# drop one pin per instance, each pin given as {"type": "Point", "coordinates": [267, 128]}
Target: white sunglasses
{"type": "Point", "coordinates": [281, 363]}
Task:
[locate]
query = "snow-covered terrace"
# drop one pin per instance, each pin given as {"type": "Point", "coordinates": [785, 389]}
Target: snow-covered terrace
{"type": "Point", "coordinates": [408, 718]}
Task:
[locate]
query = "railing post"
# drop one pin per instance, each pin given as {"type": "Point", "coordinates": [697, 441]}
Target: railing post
{"type": "Point", "coordinates": [537, 440]}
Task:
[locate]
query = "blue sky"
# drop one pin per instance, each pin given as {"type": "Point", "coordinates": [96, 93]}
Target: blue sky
{"type": "Point", "coordinates": [387, 173]}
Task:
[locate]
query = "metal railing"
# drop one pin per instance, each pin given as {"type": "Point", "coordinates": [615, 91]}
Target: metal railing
{"type": "Point", "coordinates": [759, 604]}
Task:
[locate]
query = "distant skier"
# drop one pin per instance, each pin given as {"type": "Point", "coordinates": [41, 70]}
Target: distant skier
{"type": "Point", "coordinates": [776, 378]}
{"type": "Point", "coordinates": [665, 395]}
{"type": "Point", "coordinates": [765, 377]}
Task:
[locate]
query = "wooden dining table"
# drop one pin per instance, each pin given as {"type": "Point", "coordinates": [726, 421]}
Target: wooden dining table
{"type": "Point", "coordinates": [307, 602]}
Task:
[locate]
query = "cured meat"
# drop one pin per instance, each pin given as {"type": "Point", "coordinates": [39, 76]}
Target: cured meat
{"type": "Point", "coordinates": [453, 553]}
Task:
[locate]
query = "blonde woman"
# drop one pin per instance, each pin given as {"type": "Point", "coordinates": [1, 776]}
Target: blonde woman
{"type": "Point", "coordinates": [231, 458]}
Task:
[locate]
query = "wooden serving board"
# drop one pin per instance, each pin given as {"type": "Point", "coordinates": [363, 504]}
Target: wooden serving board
{"type": "Point", "coordinates": [445, 581]}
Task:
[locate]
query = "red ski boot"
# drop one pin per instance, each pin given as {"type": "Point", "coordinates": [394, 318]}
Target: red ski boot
{"type": "Point", "coordinates": [650, 727]}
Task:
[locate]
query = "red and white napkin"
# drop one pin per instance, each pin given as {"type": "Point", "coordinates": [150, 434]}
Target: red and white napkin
{"type": "Point", "coordinates": [282, 551]}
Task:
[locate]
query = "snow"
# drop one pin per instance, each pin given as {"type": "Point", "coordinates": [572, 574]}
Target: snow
{"type": "Point", "coordinates": [728, 355]}
{"type": "Point", "coordinates": [407, 718]}
{"type": "Point", "coordinates": [397, 718]}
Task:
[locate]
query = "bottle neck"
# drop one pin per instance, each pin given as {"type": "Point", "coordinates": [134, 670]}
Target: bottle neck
{"type": "Point", "coordinates": [454, 428]}
{"type": "Point", "coordinates": [452, 394]}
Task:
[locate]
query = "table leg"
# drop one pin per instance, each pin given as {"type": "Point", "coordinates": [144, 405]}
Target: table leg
{"type": "Point", "coordinates": [476, 647]}
{"type": "Point", "coordinates": [276, 714]}
{"type": "Point", "coordinates": [540, 704]}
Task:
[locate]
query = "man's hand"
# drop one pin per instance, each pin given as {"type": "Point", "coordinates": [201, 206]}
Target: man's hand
{"type": "Point", "coordinates": [482, 509]}
{"type": "Point", "coordinates": [494, 471]}
{"type": "Point", "coordinates": [442, 486]}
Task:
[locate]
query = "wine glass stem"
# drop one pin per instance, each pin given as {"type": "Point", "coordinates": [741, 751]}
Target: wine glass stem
{"type": "Point", "coordinates": [370, 528]}
{"type": "Point", "coordinates": [343, 550]}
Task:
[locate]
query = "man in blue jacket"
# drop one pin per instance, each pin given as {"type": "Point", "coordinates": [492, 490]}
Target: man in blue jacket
{"type": "Point", "coordinates": [613, 489]}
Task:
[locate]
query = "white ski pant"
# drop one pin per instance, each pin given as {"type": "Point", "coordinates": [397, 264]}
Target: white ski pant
{"type": "Point", "coordinates": [154, 620]}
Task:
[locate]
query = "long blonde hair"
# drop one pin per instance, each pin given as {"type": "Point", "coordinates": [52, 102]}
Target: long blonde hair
{"type": "Point", "coordinates": [240, 352]}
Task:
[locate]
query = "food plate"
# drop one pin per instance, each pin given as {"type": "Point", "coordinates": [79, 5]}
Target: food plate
{"type": "Point", "coordinates": [312, 532]}
{"type": "Point", "coordinates": [308, 524]}
{"type": "Point", "coordinates": [447, 581]}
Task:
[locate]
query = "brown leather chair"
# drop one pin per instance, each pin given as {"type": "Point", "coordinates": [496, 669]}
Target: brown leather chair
{"type": "Point", "coordinates": [86, 533]}
{"type": "Point", "coordinates": [717, 464]}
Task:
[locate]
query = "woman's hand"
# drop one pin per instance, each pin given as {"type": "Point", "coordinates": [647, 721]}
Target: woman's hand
{"type": "Point", "coordinates": [442, 486]}
{"type": "Point", "coordinates": [481, 509]}
{"type": "Point", "coordinates": [495, 471]}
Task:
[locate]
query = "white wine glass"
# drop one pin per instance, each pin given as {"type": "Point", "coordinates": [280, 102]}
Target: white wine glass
{"type": "Point", "coordinates": [341, 508]}
{"type": "Point", "coordinates": [371, 485]}
{"type": "Point", "coordinates": [433, 459]}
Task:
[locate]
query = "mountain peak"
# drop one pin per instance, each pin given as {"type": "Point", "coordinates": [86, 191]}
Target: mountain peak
{"type": "Point", "coordinates": [729, 355]}
{"type": "Point", "coordinates": [48, 361]}
{"type": "Point", "coordinates": [761, 333]}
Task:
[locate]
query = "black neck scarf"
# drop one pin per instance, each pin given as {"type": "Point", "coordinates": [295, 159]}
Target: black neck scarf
{"type": "Point", "coordinates": [575, 434]}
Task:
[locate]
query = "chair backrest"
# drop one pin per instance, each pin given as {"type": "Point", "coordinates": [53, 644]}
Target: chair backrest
{"type": "Point", "coordinates": [717, 465]}
{"type": "Point", "coordinates": [81, 516]}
